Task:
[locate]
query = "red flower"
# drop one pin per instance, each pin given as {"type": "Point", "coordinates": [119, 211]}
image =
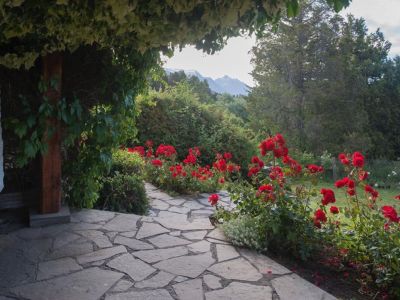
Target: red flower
{"type": "Point", "coordinates": [266, 188]}
{"type": "Point", "coordinates": [390, 213]}
{"type": "Point", "coordinates": [267, 191]}
{"type": "Point", "coordinates": [156, 163]}
{"type": "Point", "coordinates": [334, 210]}
{"type": "Point", "coordinates": [221, 180]}
{"type": "Point", "coordinates": [362, 175]}
{"type": "Point", "coordinates": [258, 161]}
{"type": "Point", "coordinates": [279, 139]}
{"type": "Point", "coordinates": [165, 150]}
{"type": "Point", "coordinates": [227, 155]}
{"type": "Point", "coordinates": [351, 192]}
{"type": "Point", "coordinates": [213, 199]}
{"type": "Point", "coordinates": [149, 143]}
{"type": "Point", "coordinates": [344, 159]}
{"type": "Point", "coordinates": [397, 197]}
{"type": "Point", "coordinates": [358, 160]}
{"type": "Point", "coordinates": [317, 223]}
{"type": "Point", "coordinates": [315, 169]}
{"type": "Point", "coordinates": [276, 172]}
{"type": "Point", "coordinates": [137, 149]}
{"type": "Point", "coordinates": [328, 196]}
{"type": "Point", "coordinates": [266, 145]}
{"type": "Point", "coordinates": [319, 215]}
{"type": "Point", "coordinates": [253, 171]}
{"type": "Point", "coordinates": [374, 193]}
{"type": "Point", "coordinates": [220, 165]}
{"type": "Point", "coordinates": [342, 182]}
{"type": "Point", "coordinates": [190, 159]}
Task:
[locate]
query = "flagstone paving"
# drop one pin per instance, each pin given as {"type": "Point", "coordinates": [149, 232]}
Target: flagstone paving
{"type": "Point", "coordinates": [173, 253]}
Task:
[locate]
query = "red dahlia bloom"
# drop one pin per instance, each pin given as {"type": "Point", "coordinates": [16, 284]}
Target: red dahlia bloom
{"type": "Point", "coordinates": [266, 188]}
{"type": "Point", "coordinates": [328, 196]}
{"type": "Point", "coordinates": [253, 171]}
{"type": "Point", "coordinates": [227, 155]}
{"type": "Point", "coordinates": [397, 197]}
{"type": "Point", "coordinates": [137, 149]}
{"type": "Point", "coordinates": [374, 193]}
{"type": "Point", "coordinates": [344, 159]}
{"type": "Point", "coordinates": [315, 169]}
{"type": "Point", "coordinates": [213, 199]}
{"type": "Point", "coordinates": [156, 163]}
{"type": "Point", "coordinates": [362, 175]}
{"type": "Point", "coordinates": [190, 159]}
{"type": "Point", "coordinates": [279, 139]}
{"type": "Point", "coordinates": [342, 182]}
{"type": "Point", "coordinates": [319, 215]}
{"type": "Point", "coordinates": [351, 192]}
{"type": "Point", "coordinates": [390, 213]}
{"type": "Point", "coordinates": [266, 145]}
{"type": "Point", "coordinates": [165, 150]}
{"type": "Point", "coordinates": [221, 180]}
{"type": "Point", "coordinates": [334, 210]}
{"type": "Point", "coordinates": [358, 160]}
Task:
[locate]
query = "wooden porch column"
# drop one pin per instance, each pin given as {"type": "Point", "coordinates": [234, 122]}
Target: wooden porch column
{"type": "Point", "coordinates": [50, 201]}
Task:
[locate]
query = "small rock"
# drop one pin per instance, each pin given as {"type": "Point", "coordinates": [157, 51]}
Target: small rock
{"type": "Point", "coordinates": [213, 282]}
{"type": "Point", "coordinates": [189, 290]}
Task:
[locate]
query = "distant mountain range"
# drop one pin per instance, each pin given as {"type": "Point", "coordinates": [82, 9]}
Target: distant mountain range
{"type": "Point", "coordinates": [221, 85]}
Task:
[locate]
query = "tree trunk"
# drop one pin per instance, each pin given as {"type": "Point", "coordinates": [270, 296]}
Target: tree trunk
{"type": "Point", "coordinates": [51, 161]}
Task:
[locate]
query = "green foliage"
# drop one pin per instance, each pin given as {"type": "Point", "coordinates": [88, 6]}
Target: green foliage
{"type": "Point", "coordinates": [246, 231]}
{"type": "Point", "coordinates": [127, 163]}
{"type": "Point", "coordinates": [143, 25]}
{"type": "Point", "coordinates": [176, 117]}
{"type": "Point", "coordinates": [315, 71]}
{"type": "Point", "coordinates": [123, 193]}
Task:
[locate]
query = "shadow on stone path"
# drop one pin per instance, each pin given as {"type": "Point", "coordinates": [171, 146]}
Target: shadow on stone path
{"type": "Point", "coordinates": [174, 253]}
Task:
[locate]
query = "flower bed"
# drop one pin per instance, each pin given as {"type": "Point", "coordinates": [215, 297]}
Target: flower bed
{"type": "Point", "coordinates": [275, 213]}
{"type": "Point", "coordinates": [165, 171]}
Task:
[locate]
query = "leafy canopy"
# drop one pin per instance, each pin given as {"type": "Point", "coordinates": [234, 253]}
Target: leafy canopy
{"type": "Point", "coordinates": [29, 29]}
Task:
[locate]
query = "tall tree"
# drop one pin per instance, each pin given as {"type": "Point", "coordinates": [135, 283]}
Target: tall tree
{"type": "Point", "coordinates": [312, 77]}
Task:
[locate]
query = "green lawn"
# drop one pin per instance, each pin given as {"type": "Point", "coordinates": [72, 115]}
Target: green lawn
{"type": "Point", "coordinates": [386, 195]}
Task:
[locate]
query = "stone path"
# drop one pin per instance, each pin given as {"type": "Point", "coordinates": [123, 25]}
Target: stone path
{"type": "Point", "coordinates": [174, 253]}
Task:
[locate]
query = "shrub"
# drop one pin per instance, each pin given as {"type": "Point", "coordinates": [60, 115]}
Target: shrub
{"type": "Point", "coordinates": [246, 231]}
{"type": "Point", "coordinates": [128, 163]}
{"type": "Point", "coordinates": [165, 170]}
{"type": "Point", "coordinates": [176, 117]}
{"type": "Point", "coordinates": [123, 189]}
{"type": "Point", "coordinates": [123, 193]}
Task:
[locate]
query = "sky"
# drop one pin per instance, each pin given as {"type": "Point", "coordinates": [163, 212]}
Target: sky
{"type": "Point", "coordinates": [234, 59]}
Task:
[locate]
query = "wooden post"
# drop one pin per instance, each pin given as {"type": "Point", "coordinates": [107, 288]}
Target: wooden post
{"type": "Point", "coordinates": [51, 162]}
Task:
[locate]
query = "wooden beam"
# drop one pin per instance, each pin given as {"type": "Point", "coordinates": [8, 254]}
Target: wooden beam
{"type": "Point", "coordinates": [51, 162]}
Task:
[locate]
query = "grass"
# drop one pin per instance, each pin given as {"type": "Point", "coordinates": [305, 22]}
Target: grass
{"type": "Point", "coordinates": [386, 195]}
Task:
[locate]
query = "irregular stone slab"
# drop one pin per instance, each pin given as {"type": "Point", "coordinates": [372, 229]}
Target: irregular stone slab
{"type": "Point", "coordinates": [152, 256]}
{"type": "Point", "coordinates": [192, 204]}
{"type": "Point", "coordinates": [97, 237]}
{"type": "Point", "coordinates": [217, 234]}
{"type": "Point", "coordinates": [200, 247]}
{"type": "Point", "coordinates": [174, 223]}
{"type": "Point", "coordinates": [160, 294]}
{"type": "Point", "coordinates": [135, 268]}
{"type": "Point", "coordinates": [171, 215]}
{"type": "Point", "coordinates": [64, 239]}
{"type": "Point", "coordinates": [190, 266]}
{"type": "Point", "coordinates": [179, 209]}
{"type": "Point", "coordinates": [100, 254]}
{"type": "Point", "coordinates": [166, 240]}
{"type": "Point", "coordinates": [180, 278]}
{"type": "Point", "coordinates": [122, 222]}
{"type": "Point", "coordinates": [175, 233]}
{"type": "Point", "coordinates": [176, 201]}
{"type": "Point", "coordinates": [122, 286]}
{"type": "Point", "coordinates": [225, 252]}
{"type": "Point", "coordinates": [292, 286]}
{"type": "Point", "coordinates": [93, 215]}
{"type": "Point", "coordinates": [150, 229]}
{"type": "Point", "coordinates": [150, 187]}
{"type": "Point", "coordinates": [189, 290]}
{"type": "Point", "coordinates": [87, 284]}
{"type": "Point", "coordinates": [239, 269]}
{"type": "Point", "coordinates": [217, 241]}
{"type": "Point", "coordinates": [159, 195]}
{"type": "Point", "coordinates": [85, 226]}
{"type": "Point", "coordinates": [239, 290]}
{"type": "Point", "coordinates": [213, 282]}
{"type": "Point", "coordinates": [72, 249]}
{"type": "Point", "coordinates": [159, 280]}
{"type": "Point", "coordinates": [49, 269]}
{"type": "Point", "coordinates": [195, 235]}
{"type": "Point", "coordinates": [132, 243]}
{"type": "Point", "coordinates": [204, 200]}
{"type": "Point", "coordinates": [158, 204]}
{"type": "Point", "coordinates": [263, 263]}
{"type": "Point", "coordinates": [128, 234]}
{"type": "Point", "coordinates": [202, 212]}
